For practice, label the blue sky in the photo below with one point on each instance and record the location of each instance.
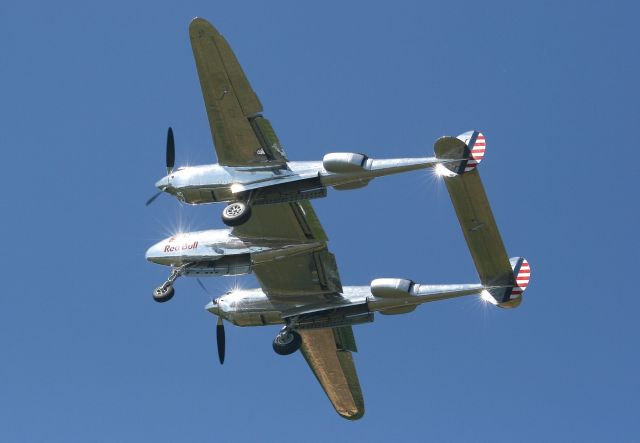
(87, 91)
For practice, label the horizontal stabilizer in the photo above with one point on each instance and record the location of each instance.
(480, 229)
(463, 152)
(505, 279)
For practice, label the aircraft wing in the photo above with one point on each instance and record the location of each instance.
(303, 274)
(242, 137)
(328, 353)
(308, 278)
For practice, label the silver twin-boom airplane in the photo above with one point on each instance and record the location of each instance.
(275, 234)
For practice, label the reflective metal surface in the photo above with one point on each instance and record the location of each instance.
(217, 183)
(335, 370)
(283, 242)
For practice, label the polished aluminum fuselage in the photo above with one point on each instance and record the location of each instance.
(219, 252)
(198, 247)
(252, 307)
(218, 183)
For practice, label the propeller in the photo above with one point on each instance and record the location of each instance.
(202, 286)
(220, 337)
(171, 161)
(171, 151)
(153, 198)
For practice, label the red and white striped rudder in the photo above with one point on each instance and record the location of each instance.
(477, 144)
(511, 297)
(522, 273)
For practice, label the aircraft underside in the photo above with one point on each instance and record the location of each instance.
(276, 235)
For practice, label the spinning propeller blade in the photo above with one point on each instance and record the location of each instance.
(203, 286)
(152, 199)
(171, 151)
(220, 339)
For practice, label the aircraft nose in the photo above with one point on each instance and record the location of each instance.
(149, 254)
(153, 253)
(163, 183)
(213, 307)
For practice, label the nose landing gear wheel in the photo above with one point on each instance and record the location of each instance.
(236, 213)
(287, 342)
(163, 293)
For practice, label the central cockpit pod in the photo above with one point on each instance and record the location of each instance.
(176, 249)
(211, 252)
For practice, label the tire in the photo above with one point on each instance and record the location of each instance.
(287, 342)
(163, 294)
(236, 213)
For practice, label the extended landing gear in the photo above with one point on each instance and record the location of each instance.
(236, 213)
(287, 342)
(165, 292)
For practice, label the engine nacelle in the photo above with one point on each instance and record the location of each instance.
(391, 287)
(246, 307)
(344, 162)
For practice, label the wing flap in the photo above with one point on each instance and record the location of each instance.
(327, 353)
(293, 221)
(308, 275)
(313, 273)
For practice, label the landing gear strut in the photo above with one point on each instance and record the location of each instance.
(287, 341)
(165, 292)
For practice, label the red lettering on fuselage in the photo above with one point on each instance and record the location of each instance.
(183, 247)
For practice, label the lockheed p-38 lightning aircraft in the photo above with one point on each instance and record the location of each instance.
(283, 242)
(252, 167)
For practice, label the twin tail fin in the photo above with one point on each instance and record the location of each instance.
(462, 153)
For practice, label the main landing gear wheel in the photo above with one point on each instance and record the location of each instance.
(163, 293)
(236, 213)
(287, 342)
